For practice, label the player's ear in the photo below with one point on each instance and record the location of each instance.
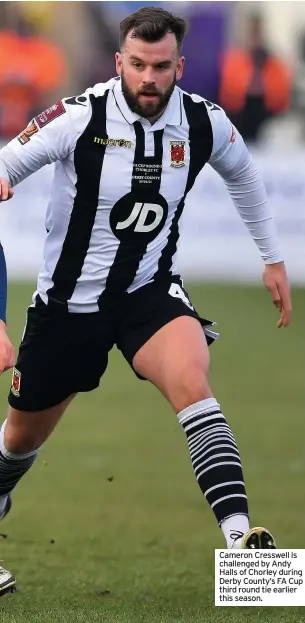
(179, 69)
(118, 63)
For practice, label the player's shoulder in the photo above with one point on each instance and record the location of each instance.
(101, 88)
(69, 116)
(201, 105)
(212, 114)
(81, 105)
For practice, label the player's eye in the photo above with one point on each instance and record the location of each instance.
(137, 65)
(161, 66)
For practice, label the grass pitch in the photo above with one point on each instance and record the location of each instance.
(110, 524)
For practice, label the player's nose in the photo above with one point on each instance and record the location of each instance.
(148, 76)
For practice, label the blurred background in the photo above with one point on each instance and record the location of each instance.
(249, 57)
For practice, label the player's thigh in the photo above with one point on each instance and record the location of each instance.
(60, 355)
(166, 341)
(28, 430)
(176, 359)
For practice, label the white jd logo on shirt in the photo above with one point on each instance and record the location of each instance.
(137, 221)
(140, 212)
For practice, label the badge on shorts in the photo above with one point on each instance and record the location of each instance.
(177, 153)
(16, 382)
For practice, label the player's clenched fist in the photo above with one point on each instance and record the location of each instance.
(7, 353)
(5, 191)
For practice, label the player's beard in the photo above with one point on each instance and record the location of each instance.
(149, 109)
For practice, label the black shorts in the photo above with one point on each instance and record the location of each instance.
(63, 353)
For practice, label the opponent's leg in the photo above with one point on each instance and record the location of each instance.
(21, 436)
(176, 360)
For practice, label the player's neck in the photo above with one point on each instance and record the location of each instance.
(153, 120)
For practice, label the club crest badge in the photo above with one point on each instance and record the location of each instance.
(16, 382)
(177, 154)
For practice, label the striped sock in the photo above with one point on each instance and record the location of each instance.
(215, 458)
(12, 466)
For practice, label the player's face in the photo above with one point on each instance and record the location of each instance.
(149, 72)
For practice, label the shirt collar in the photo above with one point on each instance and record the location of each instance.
(171, 116)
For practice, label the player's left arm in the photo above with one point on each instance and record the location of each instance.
(232, 160)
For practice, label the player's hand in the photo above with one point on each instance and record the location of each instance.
(6, 192)
(275, 280)
(7, 353)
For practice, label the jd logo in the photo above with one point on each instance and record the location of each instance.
(138, 221)
(141, 210)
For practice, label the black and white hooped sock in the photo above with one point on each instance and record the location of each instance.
(217, 464)
(12, 468)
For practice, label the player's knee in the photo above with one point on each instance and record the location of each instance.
(192, 387)
(20, 442)
(18, 436)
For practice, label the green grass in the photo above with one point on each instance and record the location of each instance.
(140, 546)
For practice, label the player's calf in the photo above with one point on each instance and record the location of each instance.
(192, 387)
(12, 467)
(217, 465)
(21, 437)
(24, 431)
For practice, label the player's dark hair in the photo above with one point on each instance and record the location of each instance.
(151, 24)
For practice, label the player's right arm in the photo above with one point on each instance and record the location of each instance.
(50, 136)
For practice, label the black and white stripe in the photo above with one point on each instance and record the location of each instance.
(200, 145)
(215, 458)
(88, 162)
(131, 250)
